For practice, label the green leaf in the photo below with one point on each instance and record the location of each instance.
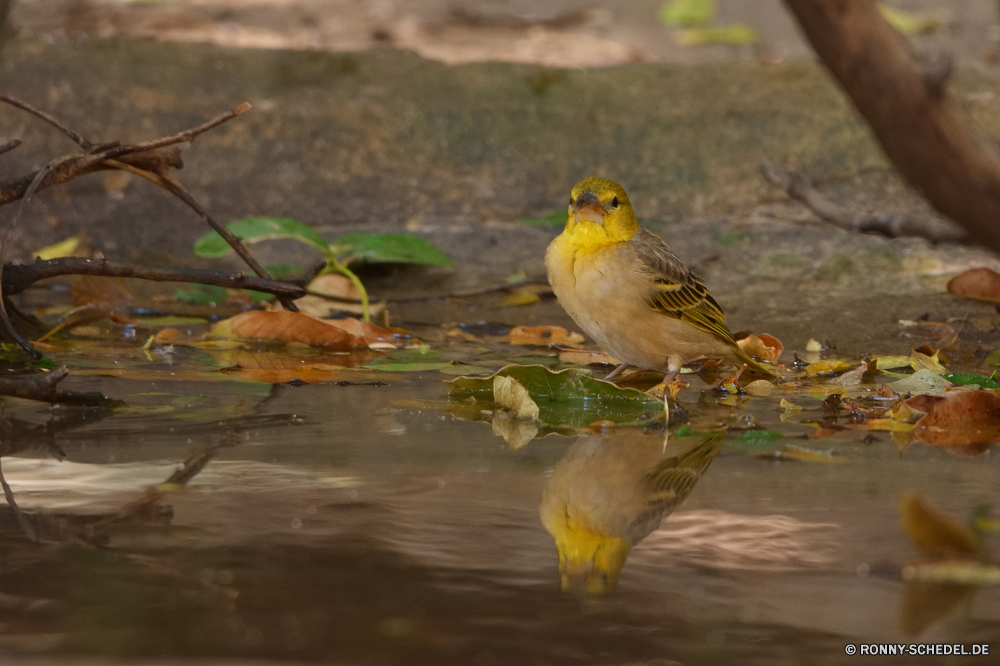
(566, 397)
(755, 440)
(723, 34)
(966, 379)
(687, 12)
(556, 218)
(376, 248)
(255, 229)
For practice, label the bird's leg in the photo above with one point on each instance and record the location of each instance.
(674, 364)
(617, 371)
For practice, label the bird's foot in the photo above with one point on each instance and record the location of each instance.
(617, 371)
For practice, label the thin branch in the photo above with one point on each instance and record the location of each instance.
(42, 387)
(24, 106)
(887, 224)
(16, 510)
(9, 146)
(19, 277)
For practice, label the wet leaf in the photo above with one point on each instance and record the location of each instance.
(759, 387)
(461, 369)
(814, 346)
(888, 425)
(511, 397)
(932, 531)
(892, 362)
(543, 336)
(922, 381)
(919, 361)
(407, 367)
(556, 218)
(907, 22)
(960, 418)
(586, 357)
(854, 377)
(520, 298)
(764, 347)
(965, 379)
(736, 33)
(789, 408)
(64, 248)
(255, 229)
(376, 248)
(687, 12)
(566, 397)
(287, 326)
(154, 322)
(827, 368)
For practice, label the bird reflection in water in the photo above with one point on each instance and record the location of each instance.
(607, 494)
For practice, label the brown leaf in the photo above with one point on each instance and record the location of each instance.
(764, 347)
(585, 357)
(960, 418)
(335, 286)
(932, 531)
(981, 284)
(286, 327)
(543, 336)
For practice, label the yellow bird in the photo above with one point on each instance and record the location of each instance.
(607, 494)
(628, 290)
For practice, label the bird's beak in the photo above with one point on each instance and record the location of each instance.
(588, 207)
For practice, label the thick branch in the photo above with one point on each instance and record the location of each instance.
(903, 99)
(18, 277)
(42, 387)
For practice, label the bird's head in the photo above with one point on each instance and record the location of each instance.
(589, 562)
(600, 210)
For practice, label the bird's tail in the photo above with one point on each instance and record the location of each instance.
(753, 365)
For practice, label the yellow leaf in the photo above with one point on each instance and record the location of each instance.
(519, 297)
(759, 387)
(932, 531)
(511, 396)
(889, 425)
(907, 23)
(814, 345)
(827, 367)
(892, 362)
(962, 572)
(919, 361)
(64, 248)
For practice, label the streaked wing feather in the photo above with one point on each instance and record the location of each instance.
(678, 292)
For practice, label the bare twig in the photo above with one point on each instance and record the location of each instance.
(903, 98)
(16, 510)
(18, 277)
(888, 224)
(42, 387)
(24, 106)
(9, 146)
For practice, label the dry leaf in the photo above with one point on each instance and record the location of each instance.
(510, 396)
(960, 418)
(166, 336)
(335, 285)
(853, 378)
(584, 357)
(981, 284)
(543, 335)
(920, 361)
(814, 345)
(932, 531)
(100, 290)
(759, 387)
(827, 367)
(764, 347)
(286, 327)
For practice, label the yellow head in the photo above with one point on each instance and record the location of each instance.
(588, 562)
(600, 213)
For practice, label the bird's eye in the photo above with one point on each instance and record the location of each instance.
(614, 201)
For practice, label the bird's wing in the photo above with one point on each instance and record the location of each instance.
(674, 478)
(678, 292)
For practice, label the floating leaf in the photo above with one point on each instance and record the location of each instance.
(462, 369)
(376, 248)
(814, 346)
(932, 531)
(556, 218)
(908, 23)
(801, 454)
(759, 387)
(736, 33)
(565, 397)
(827, 368)
(543, 335)
(255, 229)
(961, 417)
(687, 12)
(407, 367)
(287, 326)
(922, 381)
(965, 379)
(919, 361)
(511, 397)
(892, 362)
(171, 320)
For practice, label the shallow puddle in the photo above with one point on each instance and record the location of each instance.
(357, 519)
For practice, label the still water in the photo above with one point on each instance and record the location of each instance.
(248, 522)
